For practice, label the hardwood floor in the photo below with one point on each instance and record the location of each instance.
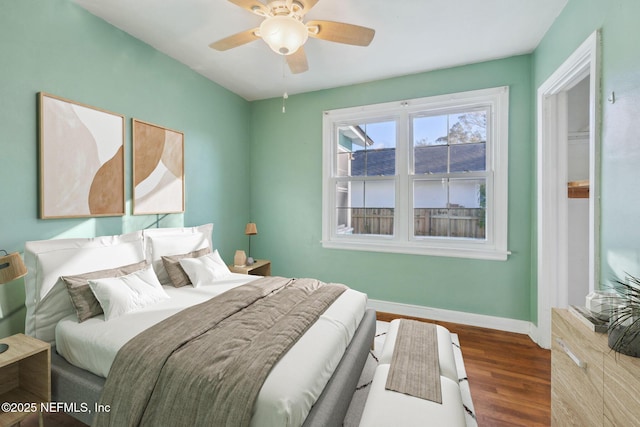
(509, 376)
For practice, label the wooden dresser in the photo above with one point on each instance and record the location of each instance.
(586, 378)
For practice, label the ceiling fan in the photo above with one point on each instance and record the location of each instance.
(285, 32)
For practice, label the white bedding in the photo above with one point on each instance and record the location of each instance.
(293, 385)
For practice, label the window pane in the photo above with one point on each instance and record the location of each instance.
(450, 208)
(450, 143)
(467, 128)
(430, 152)
(468, 157)
(431, 130)
(344, 162)
(364, 207)
(367, 149)
(430, 194)
(467, 208)
(430, 212)
(467, 193)
(431, 159)
(342, 202)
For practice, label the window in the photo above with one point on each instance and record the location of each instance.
(424, 176)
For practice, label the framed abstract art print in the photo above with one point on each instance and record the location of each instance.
(81, 160)
(158, 169)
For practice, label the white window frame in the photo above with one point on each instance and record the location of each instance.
(494, 246)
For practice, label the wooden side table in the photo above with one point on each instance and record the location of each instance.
(261, 267)
(25, 378)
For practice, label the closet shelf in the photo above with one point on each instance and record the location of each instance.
(578, 189)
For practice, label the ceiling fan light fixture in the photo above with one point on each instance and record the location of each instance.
(283, 34)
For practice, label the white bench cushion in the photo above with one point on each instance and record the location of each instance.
(386, 408)
(445, 350)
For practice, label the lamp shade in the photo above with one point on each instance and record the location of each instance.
(11, 267)
(251, 229)
(283, 34)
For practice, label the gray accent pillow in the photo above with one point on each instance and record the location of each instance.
(176, 273)
(83, 300)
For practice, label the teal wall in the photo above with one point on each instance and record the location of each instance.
(620, 174)
(56, 47)
(286, 189)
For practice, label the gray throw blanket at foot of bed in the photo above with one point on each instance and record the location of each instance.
(415, 367)
(205, 365)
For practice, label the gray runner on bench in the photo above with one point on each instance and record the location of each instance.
(415, 367)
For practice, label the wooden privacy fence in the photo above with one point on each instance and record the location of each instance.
(453, 222)
(372, 221)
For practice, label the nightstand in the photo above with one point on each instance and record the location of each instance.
(25, 377)
(261, 267)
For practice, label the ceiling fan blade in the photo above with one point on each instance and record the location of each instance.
(253, 6)
(297, 61)
(340, 32)
(307, 5)
(235, 40)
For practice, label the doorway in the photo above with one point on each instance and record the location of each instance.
(578, 195)
(567, 158)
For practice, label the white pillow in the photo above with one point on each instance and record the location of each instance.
(47, 299)
(124, 294)
(205, 269)
(153, 254)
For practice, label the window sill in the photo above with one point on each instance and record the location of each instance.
(483, 253)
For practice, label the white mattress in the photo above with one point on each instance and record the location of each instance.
(293, 385)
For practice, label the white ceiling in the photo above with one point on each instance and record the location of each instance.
(412, 36)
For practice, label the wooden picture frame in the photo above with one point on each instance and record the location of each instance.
(158, 169)
(81, 155)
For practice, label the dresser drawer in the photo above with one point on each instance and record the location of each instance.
(576, 373)
(621, 388)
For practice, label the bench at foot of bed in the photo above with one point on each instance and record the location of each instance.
(385, 407)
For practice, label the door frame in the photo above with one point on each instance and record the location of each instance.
(552, 172)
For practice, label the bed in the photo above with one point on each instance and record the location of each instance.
(310, 385)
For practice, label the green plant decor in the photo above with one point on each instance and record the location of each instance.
(624, 322)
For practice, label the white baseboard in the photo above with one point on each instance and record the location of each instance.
(472, 319)
(538, 338)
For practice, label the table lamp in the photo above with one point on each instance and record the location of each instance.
(250, 230)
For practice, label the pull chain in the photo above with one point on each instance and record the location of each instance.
(284, 83)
